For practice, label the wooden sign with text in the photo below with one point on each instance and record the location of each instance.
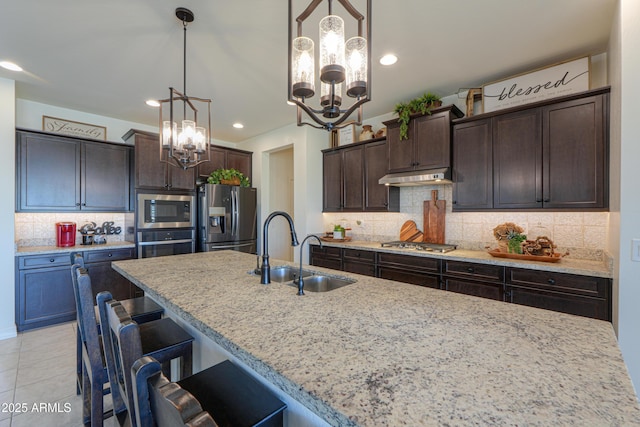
(545, 83)
(68, 127)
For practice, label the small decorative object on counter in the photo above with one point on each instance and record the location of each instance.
(366, 133)
(100, 239)
(382, 132)
(338, 232)
(509, 237)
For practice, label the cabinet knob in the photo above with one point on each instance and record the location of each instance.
(538, 200)
(84, 204)
(455, 202)
(77, 204)
(547, 200)
(551, 282)
(52, 260)
(470, 270)
(110, 255)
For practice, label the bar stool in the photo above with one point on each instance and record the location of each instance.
(142, 309)
(227, 393)
(95, 373)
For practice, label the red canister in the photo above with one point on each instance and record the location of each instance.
(65, 234)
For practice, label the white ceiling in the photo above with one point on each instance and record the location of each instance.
(107, 58)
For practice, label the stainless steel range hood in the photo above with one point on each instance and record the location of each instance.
(415, 178)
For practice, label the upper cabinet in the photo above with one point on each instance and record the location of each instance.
(551, 155)
(428, 143)
(227, 158)
(350, 179)
(58, 173)
(150, 173)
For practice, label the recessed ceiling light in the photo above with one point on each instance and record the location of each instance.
(10, 66)
(389, 59)
(152, 103)
(238, 125)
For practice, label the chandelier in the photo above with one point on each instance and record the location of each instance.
(341, 65)
(184, 144)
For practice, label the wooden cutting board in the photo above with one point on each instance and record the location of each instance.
(434, 212)
(409, 232)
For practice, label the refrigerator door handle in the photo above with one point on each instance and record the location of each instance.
(235, 215)
(240, 245)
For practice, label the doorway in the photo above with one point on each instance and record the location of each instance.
(281, 199)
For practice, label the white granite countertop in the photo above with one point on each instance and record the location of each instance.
(565, 265)
(37, 250)
(383, 353)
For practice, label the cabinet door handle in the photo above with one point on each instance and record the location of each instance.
(538, 200)
(77, 204)
(547, 200)
(551, 282)
(455, 202)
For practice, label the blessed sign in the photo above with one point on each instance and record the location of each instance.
(550, 82)
(68, 127)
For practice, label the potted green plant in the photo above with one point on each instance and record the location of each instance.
(229, 177)
(420, 105)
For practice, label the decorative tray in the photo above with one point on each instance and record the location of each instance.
(499, 254)
(331, 239)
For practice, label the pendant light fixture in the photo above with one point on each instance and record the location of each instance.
(341, 65)
(184, 136)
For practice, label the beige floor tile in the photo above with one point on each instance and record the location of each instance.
(45, 370)
(9, 361)
(8, 380)
(47, 338)
(47, 390)
(48, 354)
(5, 422)
(64, 412)
(5, 398)
(10, 345)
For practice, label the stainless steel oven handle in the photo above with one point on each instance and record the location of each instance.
(165, 242)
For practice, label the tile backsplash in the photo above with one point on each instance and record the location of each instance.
(39, 229)
(582, 234)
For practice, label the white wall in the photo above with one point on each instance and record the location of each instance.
(625, 113)
(7, 208)
(307, 175)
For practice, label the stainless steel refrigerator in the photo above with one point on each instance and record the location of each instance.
(227, 218)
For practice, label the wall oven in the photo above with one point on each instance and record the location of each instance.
(165, 224)
(166, 211)
(153, 243)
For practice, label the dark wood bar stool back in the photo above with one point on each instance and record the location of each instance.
(94, 373)
(226, 392)
(162, 339)
(141, 309)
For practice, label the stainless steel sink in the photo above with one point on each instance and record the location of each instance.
(320, 283)
(286, 274)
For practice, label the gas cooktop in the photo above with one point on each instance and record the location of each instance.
(419, 246)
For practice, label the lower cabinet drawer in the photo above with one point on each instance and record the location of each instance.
(415, 278)
(107, 255)
(40, 261)
(366, 269)
(358, 255)
(560, 282)
(326, 251)
(476, 271)
(478, 289)
(596, 308)
(411, 263)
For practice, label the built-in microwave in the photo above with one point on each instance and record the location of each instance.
(166, 211)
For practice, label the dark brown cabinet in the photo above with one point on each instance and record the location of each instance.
(44, 292)
(227, 158)
(359, 262)
(472, 166)
(350, 179)
(568, 293)
(552, 155)
(481, 280)
(150, 172)
(419, 271)
(428, 143)
(325, 256)
(57, 173)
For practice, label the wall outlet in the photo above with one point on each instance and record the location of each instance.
(635, 250)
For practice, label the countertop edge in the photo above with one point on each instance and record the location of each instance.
(40, 250)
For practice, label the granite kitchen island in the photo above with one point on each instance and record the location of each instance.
(383, 353)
